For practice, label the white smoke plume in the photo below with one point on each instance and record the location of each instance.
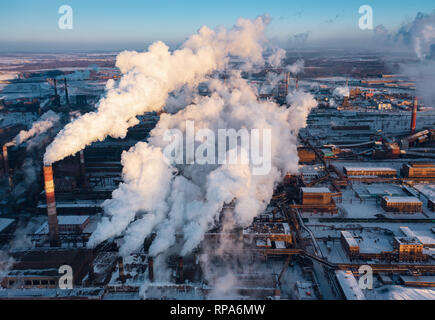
(190, 202)
(149, 77)
(44, 123)
(296, 67)
(341, 91)
(419, 34)
(6, 262)
(276, 58)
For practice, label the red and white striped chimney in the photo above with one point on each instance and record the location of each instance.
(414, 115)
(5, 159)
(51, 207)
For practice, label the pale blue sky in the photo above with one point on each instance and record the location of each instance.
(26, 24)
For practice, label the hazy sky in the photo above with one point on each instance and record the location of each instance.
(107, 25)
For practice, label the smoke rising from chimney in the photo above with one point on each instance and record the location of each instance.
(149, 77)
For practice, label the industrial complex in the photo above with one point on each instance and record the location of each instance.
(360, 196)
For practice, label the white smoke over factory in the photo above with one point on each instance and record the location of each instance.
(44, 123)
(179, 203)
(342, 91)
(149, 77)
(419, 36)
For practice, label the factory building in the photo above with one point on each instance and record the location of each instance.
(370, 171)
(316, 195)
(409, 249)
(306, 155)
(349, 285)
(316, 200)
(418, 170)
(39, 268)
(349, 244)
(401, 204)
(72, 224)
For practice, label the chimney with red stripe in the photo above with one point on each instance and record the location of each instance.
(51, 207)
(414, 115)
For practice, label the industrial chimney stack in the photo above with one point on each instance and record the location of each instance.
(55, 87)
(414, 115)
(66, 92)
(82, 169)
(150, 268)
(287, 80)
(5, 159)
(180, 270)
(51, 207)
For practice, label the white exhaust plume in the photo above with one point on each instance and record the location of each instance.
(341, 91)
(190, 202)
(44, 123)
(149, 77)
(276, 58)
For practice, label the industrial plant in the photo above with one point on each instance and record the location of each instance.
(92, 206)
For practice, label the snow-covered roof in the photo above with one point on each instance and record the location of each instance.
(369, 169)
(401, 199)
(79, 220)
(4, 223)
(315, 190)
(349, 285)
(349, 238)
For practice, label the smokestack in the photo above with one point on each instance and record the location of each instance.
(82, 168)
(287, 79)
(297, 83)
(414, 115)
(55, 87)
(121, 269)
(150, 268)
(66, 92)
(51, 207)
(180, 270)
(5, 159)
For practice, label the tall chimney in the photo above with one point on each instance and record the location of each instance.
(55, 87)
(180, 270)
(51, 207)
(150, 268)
(66, 92)
(414, 115)
(82, 168)
(287, 79)
(121, 269)
(297, 83)
(5, 159)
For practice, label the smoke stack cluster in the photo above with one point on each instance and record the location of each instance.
(51, 207)
(414, 115)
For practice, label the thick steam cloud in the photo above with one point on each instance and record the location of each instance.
(149, 77)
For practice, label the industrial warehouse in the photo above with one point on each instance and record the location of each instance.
(93, 206)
